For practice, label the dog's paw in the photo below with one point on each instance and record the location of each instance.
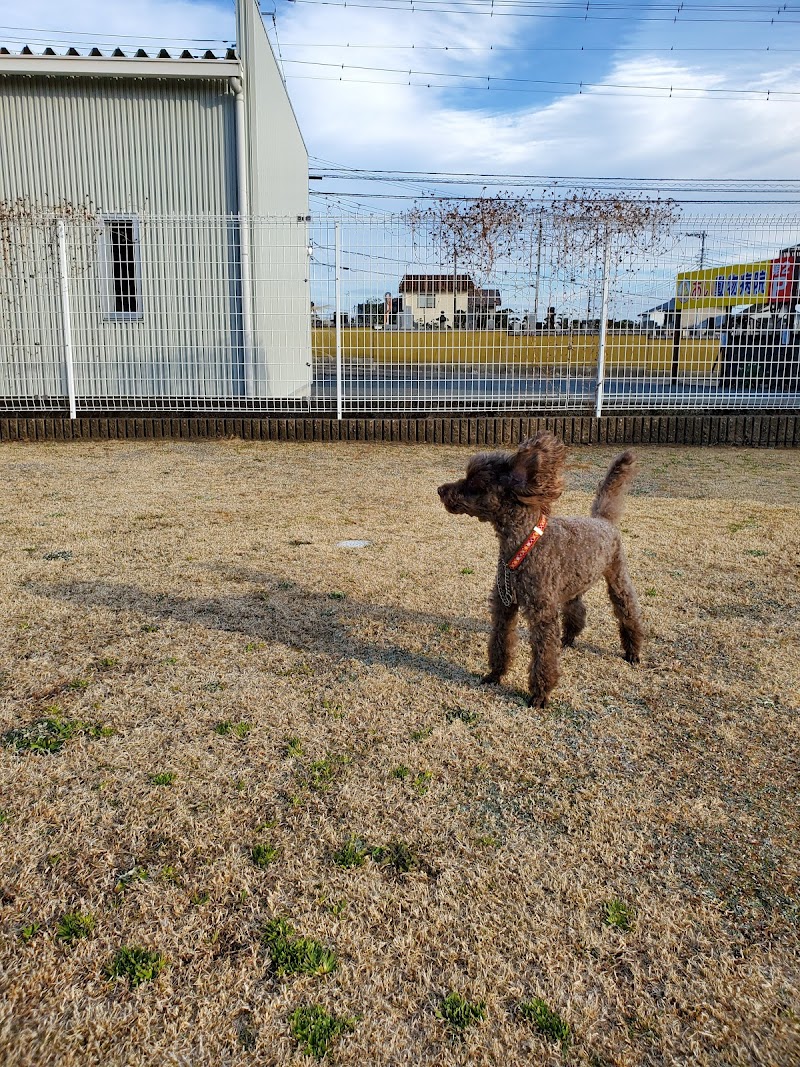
(490, 679)
(537, 702)
(632, 658)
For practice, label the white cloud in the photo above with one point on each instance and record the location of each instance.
(411, 127)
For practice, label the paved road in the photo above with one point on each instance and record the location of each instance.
(400, 387)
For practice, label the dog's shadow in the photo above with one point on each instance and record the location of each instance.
(282, 612)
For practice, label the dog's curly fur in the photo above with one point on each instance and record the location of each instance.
(512, 491)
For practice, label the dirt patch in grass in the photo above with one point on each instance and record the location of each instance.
(628, 858)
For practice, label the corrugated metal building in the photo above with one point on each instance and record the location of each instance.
(153, 228)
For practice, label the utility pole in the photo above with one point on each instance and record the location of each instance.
(538, 270)
(702, 234)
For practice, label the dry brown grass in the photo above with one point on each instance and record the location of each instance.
(191, 598)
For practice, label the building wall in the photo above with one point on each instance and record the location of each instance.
(163, 146)
(278, 182)
(165, 151)
(444, 303)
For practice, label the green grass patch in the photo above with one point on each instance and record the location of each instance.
(164, 778)
(137, 964)
(50, 734)
(459, 1014)
(227, 728)
(617, 913)
(545, 1021)
(262, 854)
(353, 853)
(422, 782)
(73, 926)
(293, 747)
(422, 733)
(321, 774)
(291, 954)
(30, 930)
(315, 1029)
(401, 772)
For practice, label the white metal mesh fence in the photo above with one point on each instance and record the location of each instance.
(553, 309)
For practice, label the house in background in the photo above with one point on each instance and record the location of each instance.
(437, 299)
(123, 178)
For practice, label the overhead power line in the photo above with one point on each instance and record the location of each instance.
(586, 12)
(785, 201)
(91, 37)
(496, 49)
(343, 173)
(484, 82)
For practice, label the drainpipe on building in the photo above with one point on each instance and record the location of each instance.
(244, 235)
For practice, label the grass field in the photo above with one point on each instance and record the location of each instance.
(457, 347)
(254, 804)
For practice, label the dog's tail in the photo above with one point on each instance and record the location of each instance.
(609, 499)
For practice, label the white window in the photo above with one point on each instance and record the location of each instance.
(120, 268)
(427, 300)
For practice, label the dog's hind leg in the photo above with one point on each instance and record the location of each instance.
(573, 620)
(626, 608)
(545, 649)
(502, 639)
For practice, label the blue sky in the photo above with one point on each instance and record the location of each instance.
(365, 121)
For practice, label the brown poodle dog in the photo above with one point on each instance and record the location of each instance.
(546, 565)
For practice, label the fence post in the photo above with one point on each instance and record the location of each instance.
(66, 317)
(338, 287)
(676, 346)
(601, 351)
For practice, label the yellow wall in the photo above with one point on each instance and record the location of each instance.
(484, 346)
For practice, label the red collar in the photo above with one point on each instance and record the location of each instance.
(528, 543)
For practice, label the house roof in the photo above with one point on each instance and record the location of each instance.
(118, 62)
(668, 305)
(436, 283)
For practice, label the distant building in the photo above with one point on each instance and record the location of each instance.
(437, 298)
(660, 317)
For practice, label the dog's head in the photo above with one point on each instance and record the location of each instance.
(497, 484)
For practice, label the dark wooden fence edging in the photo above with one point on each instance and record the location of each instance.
(755, 431)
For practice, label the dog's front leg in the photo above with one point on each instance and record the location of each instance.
(503, 637)
(545, 651)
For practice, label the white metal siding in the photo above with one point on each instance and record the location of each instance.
(278, 181)
(119, 144)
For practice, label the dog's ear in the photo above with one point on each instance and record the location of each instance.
(537, 470)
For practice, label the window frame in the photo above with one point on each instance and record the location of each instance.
(109, 297)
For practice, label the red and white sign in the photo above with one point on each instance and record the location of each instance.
(781, 281)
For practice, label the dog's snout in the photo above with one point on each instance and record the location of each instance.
(441, 491)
